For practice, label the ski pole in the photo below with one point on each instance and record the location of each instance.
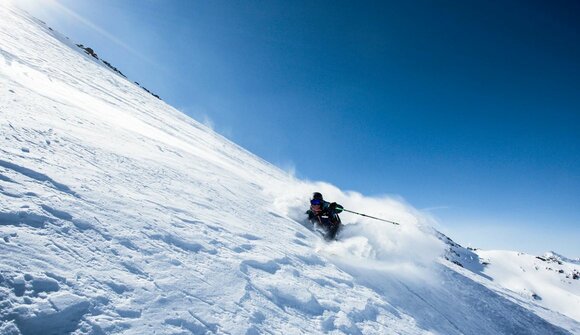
(372, 217)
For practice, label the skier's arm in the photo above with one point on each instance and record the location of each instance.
(311, 214)
(335, 208)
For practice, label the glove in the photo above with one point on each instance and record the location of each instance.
(338, 209)
(332, 207)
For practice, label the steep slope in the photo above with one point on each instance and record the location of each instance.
(119, 214)
(547, 280)
(543, 284)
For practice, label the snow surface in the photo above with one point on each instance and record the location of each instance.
(541, 278)
(120, 214)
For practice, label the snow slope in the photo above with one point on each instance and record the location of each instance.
(119, 214)
(553, 282)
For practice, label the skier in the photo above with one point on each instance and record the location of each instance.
(325, 215)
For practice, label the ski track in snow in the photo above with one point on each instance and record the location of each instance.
(119, 214)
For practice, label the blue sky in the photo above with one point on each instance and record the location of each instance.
(470, 110)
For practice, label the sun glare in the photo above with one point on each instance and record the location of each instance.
(38, 8)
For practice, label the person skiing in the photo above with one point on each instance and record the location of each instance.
(325, 214)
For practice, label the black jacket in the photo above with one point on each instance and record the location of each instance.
(329, 211)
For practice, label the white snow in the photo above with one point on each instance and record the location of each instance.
(120, 214)
(548, 281)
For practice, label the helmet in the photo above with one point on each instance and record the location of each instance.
(316, 199)
(317, 196)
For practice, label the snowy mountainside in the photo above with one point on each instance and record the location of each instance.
(121, 215)
(551, 280)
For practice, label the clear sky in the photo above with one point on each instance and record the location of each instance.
(468, 109)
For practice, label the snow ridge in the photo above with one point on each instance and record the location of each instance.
(119, 214)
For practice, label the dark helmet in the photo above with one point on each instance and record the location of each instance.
(317, 196)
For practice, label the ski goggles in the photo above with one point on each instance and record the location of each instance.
(315, 202)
